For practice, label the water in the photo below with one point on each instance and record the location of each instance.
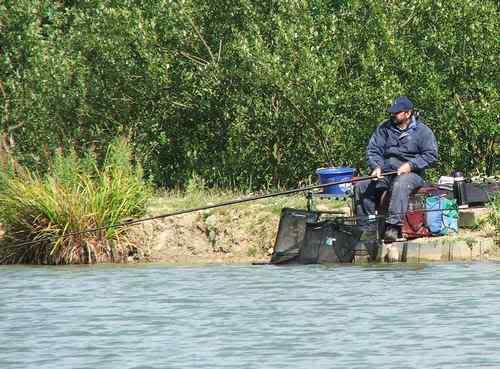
(151, 316)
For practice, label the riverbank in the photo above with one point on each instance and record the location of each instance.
(238, 234)
(242, 234)
(245, 233)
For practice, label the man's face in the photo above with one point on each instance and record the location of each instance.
(400, 117)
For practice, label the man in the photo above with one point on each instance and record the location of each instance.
(403, 144)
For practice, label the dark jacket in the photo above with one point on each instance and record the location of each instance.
(390, 147)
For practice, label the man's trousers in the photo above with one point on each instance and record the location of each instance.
(368, 193)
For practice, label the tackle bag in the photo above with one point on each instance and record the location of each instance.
(441, 215)
(475, 194)
(414, 223)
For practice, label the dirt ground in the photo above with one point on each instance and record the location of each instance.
(226, 236)
(240, 234)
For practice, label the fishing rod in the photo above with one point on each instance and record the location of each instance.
(207, 207)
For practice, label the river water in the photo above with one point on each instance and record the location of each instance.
(155, 316)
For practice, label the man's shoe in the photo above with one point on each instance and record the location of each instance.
(391, 233)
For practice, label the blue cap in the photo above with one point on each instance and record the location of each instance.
(401, 103)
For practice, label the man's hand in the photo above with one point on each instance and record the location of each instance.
(377, 172)
(404, 169)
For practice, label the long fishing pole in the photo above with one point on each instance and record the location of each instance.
(207, 207)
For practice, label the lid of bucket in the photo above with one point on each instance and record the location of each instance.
(335, 170)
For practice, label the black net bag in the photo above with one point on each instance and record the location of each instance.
(340, 240)
(319, 243)
(291, 233)
(313, 237)
(358, 238)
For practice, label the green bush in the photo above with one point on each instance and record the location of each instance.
(494, 216)
(248, 93)
(73, 196)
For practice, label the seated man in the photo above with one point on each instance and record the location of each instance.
(402, 144)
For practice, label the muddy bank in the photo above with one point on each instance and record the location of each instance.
(229, 236)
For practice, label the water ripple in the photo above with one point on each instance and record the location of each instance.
(153, 316)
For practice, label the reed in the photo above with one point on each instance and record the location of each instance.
(74, 195)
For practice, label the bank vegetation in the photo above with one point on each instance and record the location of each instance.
(51, 218)
(246, 93)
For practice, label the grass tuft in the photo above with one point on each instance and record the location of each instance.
(74, 195)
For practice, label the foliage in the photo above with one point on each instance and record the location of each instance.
(73, 196)
(247, 93)
(494, 216)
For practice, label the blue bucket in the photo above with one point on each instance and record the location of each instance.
(336, 174)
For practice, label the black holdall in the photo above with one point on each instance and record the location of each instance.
(473, 193)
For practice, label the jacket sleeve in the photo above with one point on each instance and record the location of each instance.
(376, 147)
(428, 151)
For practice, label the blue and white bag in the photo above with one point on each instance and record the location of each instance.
(441, 215)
